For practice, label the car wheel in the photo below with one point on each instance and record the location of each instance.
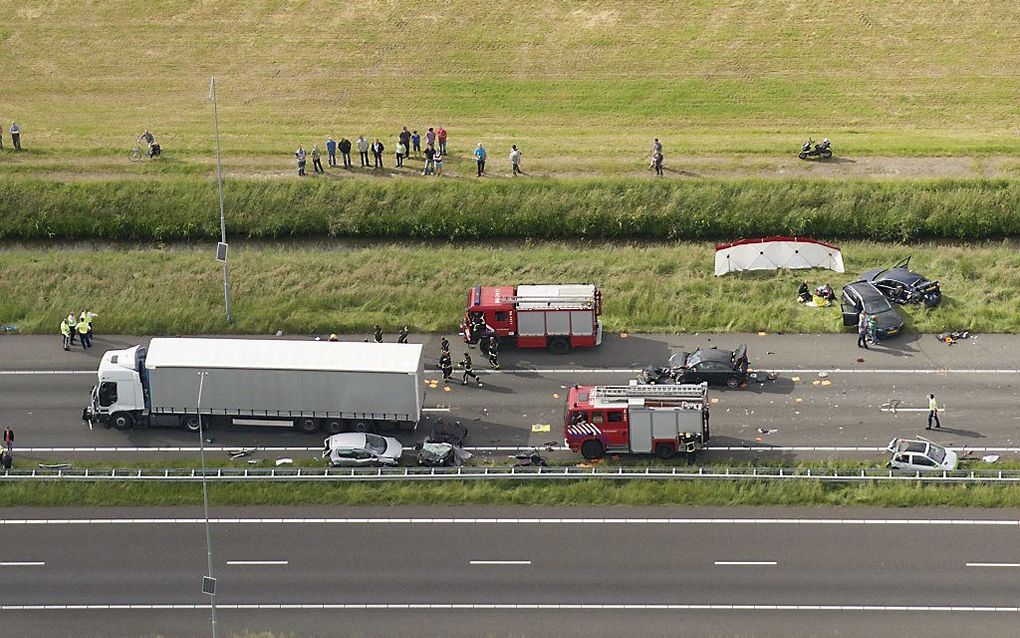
(665, 450)
(732, 382)
(592, 449)
(559, 346)
(122, 421)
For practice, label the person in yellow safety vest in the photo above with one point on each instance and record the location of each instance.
(72, 322)
(87, 316)
(83, 334)
(65, 332)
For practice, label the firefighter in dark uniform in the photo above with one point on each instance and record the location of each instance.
(494, 353)
(444, 346)
(402, 337)
(378, 334)
(477, 328)
(469, 370)
(446, 365)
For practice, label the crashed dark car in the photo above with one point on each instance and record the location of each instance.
(863, 297)
(901, 285)
(714, 366)
(444, 445)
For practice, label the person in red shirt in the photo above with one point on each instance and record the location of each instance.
(441, 136)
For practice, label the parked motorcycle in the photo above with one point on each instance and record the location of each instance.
(822, 150)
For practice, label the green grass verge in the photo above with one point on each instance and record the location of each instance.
(575, 493)
(567, 79)
(186, 209)
(346, 289)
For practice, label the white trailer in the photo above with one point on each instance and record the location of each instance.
(304, 384)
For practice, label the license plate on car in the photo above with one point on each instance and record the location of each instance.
(892, 331)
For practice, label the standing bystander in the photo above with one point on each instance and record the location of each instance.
(300, 155)
(430, 166)
(331, 151)
(405, 139)
(363, 150)
(16, 136)
(515, 160)
(480, 158)
(9, 440)
(317, 160)
(862, 331)
(441, 137)
(377, 151)
(345, 151)
(401, 152)
(430, 137)
(65, 334)
(416, 143)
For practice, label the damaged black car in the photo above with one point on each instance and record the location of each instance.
(901, 285)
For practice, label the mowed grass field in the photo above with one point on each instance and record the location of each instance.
(318, 289)
(581, 85)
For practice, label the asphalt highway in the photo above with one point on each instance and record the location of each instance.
(511, 571)
(853, 410)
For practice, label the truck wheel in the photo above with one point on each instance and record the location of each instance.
(592, 449)
(665, 450)
(191, 423)
(360, 426)
(732, 382)
(334, 427)
(122, 421)
(559, 346)
(309, 426)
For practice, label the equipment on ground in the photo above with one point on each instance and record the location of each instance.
(637, 419)
(776, 253)
(554, 316)
(306, 385)
(821, 151)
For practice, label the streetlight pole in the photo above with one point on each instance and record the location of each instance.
(209, 583)
(219, 181)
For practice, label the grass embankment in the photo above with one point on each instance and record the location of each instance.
(648, 288)
(713, 209)
(580, 85)
(574, 493)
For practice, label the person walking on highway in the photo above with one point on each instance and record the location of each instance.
(444, 345)
(71, 321)
(363, 150)
(345, 151)
(9, 440)
(317, 160)
(494, 353)
(480, 159)
(82, 327)
(873, 328)
(377, 334)
(933, 413)
(402, 336)
(469, 370)
(65, 333)
(446, 365)
(331, 151)
(515, 160)
(862, 331)
(300, 155)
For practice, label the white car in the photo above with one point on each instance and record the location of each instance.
(916, 455)
(357, 449)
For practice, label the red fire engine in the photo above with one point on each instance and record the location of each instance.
(558, 316)
(636, 419)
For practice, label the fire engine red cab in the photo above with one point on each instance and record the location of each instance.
(557, 316)
(636, 419)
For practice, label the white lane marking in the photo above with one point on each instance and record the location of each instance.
(500, 562)
(746, 562)
(515, 521)
(44, 372)
(257, 562)
(513, 606)
(435, 409)
(993, 564)
(24, 563)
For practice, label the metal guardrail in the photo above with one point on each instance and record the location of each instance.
(227, 475)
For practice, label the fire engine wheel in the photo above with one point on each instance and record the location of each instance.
(665, 450)
(732, 382)
(592, 449)
(191, 424)
(559, 346)
(334, 427)
(122, 421)
(309, 426)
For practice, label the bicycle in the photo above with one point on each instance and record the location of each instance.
(136, 154)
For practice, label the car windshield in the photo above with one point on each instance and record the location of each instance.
(937, 453)
(375, 443)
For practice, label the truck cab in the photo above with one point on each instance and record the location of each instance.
(491, 307)
(119, 394)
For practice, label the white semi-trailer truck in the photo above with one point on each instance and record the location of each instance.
(306, 385)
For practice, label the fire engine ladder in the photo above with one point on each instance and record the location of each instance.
(677, 391)
(585, 300)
